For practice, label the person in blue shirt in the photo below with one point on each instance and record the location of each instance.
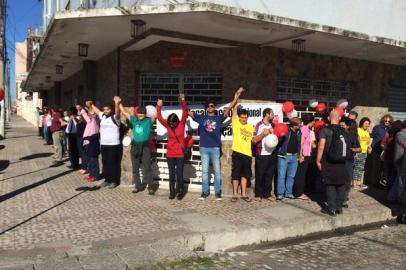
(210, 141)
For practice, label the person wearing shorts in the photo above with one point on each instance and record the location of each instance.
(243, 137)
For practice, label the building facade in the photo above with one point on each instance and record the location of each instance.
(145, 50)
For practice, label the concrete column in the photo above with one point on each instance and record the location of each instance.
(89, 73)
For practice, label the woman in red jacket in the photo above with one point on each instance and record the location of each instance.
(175, 147)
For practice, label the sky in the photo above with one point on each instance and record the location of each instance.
(20, 15)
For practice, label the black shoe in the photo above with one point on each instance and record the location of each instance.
(180, 196)
(203, 196)
(136, 190)
(171, 197)
(151, 192)
(339, 211)
(104, 184)
(345, 205)
(112, 185)
(218, 196)
(329, 212)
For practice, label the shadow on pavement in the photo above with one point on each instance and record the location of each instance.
(34, 156)
(11, 177)
(2, 147)
(34, 185)
(380, 196)
(4, 164)
(16, 137)
(85, 188)
(50, 208)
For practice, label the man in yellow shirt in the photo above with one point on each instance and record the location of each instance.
(243, 137)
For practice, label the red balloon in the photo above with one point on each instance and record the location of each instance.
(319, 124)
(321, 107)
(340, 110)
(280, 129)
(1, 94)
(288, 107)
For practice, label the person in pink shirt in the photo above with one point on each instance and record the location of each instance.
(307, 143)
(91, 141)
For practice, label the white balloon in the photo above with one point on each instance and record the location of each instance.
(151, 111)
(313, 103)
(270, 141)
(127, 140)
(292, 114)
(343, 103)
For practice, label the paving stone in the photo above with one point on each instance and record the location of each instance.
(70, 263)
(22, 267)
(102, 262)
(138, 256)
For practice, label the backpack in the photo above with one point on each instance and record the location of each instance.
(340, 149)
(122, 129)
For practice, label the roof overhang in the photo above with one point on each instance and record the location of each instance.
(201, 24)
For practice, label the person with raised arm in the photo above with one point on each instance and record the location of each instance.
(210, 143)
(91, 141)
(175, 147)
(243, 137)
(110, 144)
(141, 126)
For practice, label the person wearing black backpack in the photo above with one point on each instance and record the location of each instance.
(110, 144)
(332, 154)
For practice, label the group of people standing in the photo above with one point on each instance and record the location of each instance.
(339, 149)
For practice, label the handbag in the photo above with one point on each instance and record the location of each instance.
(187, 150)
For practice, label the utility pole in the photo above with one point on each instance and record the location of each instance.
(3, 112)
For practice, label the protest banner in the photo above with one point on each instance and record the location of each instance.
(254, 112)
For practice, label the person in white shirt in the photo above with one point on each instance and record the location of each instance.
(111, 149)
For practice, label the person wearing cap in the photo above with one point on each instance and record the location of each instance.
(141, 126)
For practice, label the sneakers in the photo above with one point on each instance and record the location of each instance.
(136, 190)
(90, 179)
(112, 185)
(279, 198)
(104, 184)
(151, 192)
(290, 196)
(218, 197)
(203, 197)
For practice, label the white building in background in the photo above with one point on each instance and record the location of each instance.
(26, 102)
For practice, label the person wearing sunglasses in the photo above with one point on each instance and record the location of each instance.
(375, 167)
(210, 142)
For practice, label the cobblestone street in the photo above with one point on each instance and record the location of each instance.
(51, 217)
(375, 249)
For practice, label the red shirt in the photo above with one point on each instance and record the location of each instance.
(56, 123)
(176, 137)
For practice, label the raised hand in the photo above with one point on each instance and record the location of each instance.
(159, 102)
(117, 99)
(182, 96)
(89, 103)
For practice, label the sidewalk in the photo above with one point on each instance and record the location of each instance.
(51, 219)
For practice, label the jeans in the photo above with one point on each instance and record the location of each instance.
(212, 154)
(82, 153)
(287, 167)
(175, 166)
(46, 134)
(336, 196)
(56, 137)
(94, 170)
